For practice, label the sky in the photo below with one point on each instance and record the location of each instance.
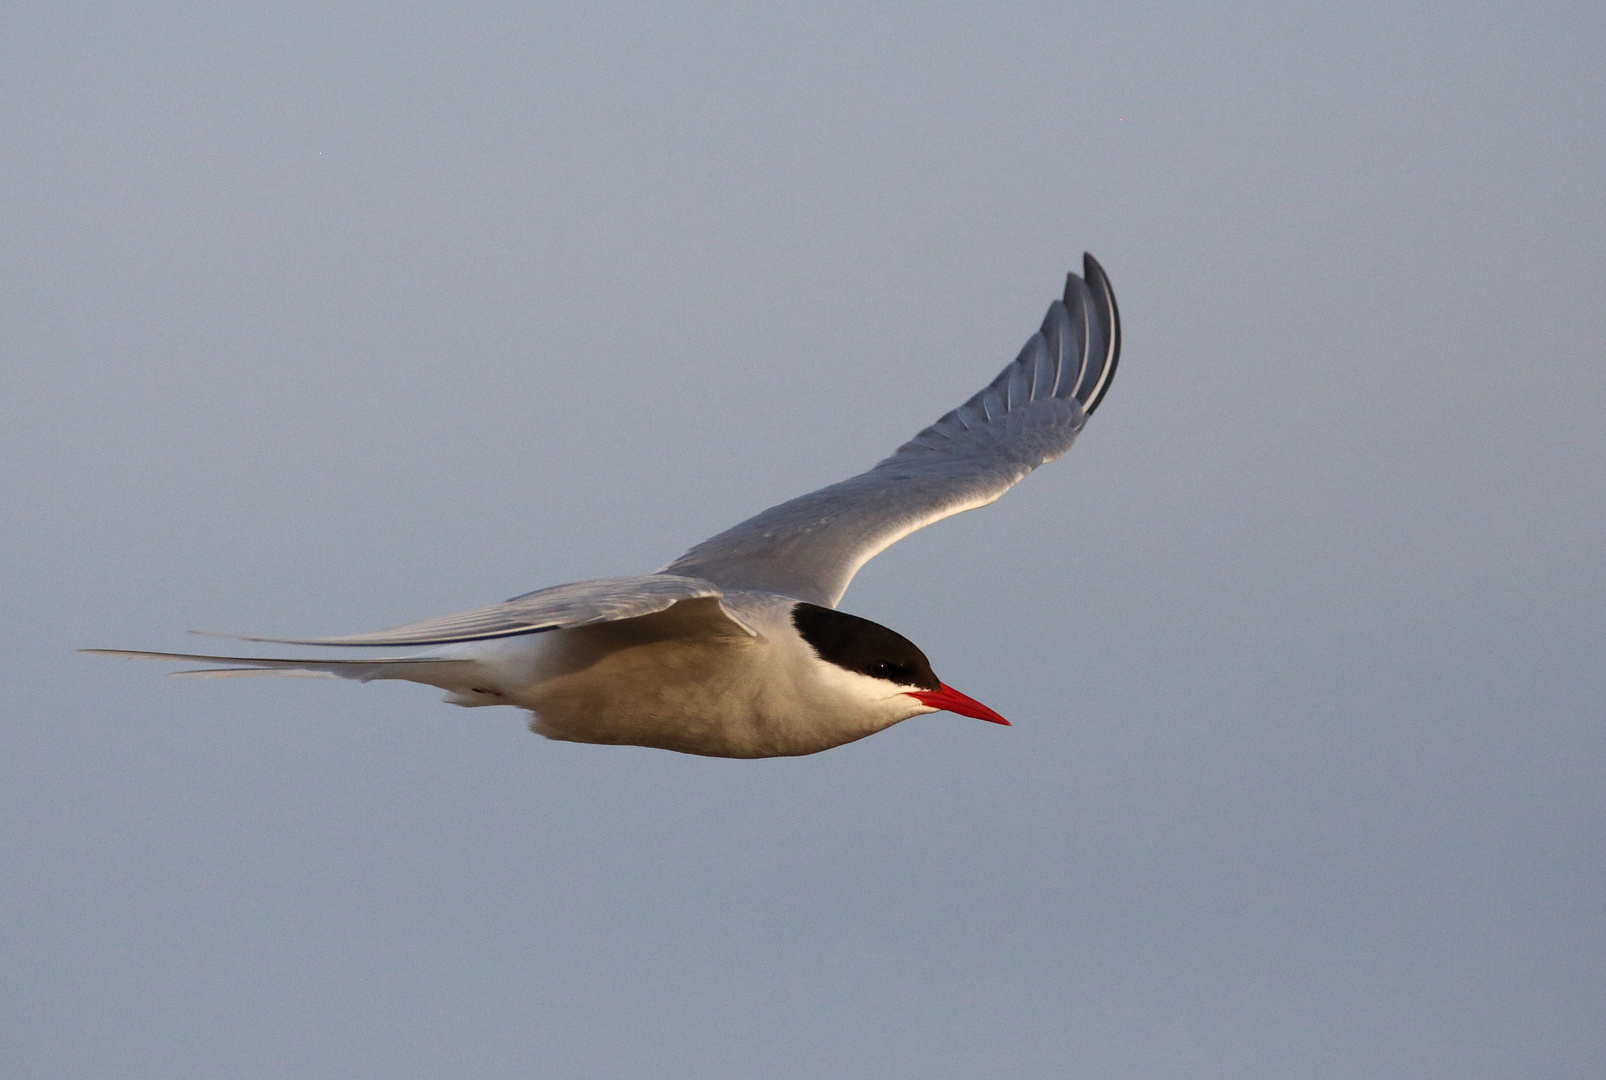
(321, 318)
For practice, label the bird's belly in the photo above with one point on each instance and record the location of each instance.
(695, 695)
(715, 717)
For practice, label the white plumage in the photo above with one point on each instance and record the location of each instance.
(735, 649)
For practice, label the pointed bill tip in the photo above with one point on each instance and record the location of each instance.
(948, 699)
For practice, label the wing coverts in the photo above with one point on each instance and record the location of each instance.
(561, 607)
(811, 546)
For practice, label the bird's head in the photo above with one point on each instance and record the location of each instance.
(887, 667)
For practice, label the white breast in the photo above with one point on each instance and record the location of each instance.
(680, 680)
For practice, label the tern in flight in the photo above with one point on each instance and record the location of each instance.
(736, 648)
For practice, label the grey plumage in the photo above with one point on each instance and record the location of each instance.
(425, 669)
(810, 547)
(705, 656)
(560, 607)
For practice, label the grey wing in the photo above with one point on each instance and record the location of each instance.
(561, 607)
(446, 673)
(811, 546)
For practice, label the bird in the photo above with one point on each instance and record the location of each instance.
(736, 649)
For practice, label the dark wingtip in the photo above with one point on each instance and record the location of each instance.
(1109, 317)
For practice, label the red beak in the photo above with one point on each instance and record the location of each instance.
(946, 697)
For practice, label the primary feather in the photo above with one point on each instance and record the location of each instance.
(561, 607)
(810, 547)
(448, 674)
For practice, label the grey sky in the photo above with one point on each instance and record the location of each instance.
(323, 317)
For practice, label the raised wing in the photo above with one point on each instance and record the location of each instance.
(811, 546)
(560, 607)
